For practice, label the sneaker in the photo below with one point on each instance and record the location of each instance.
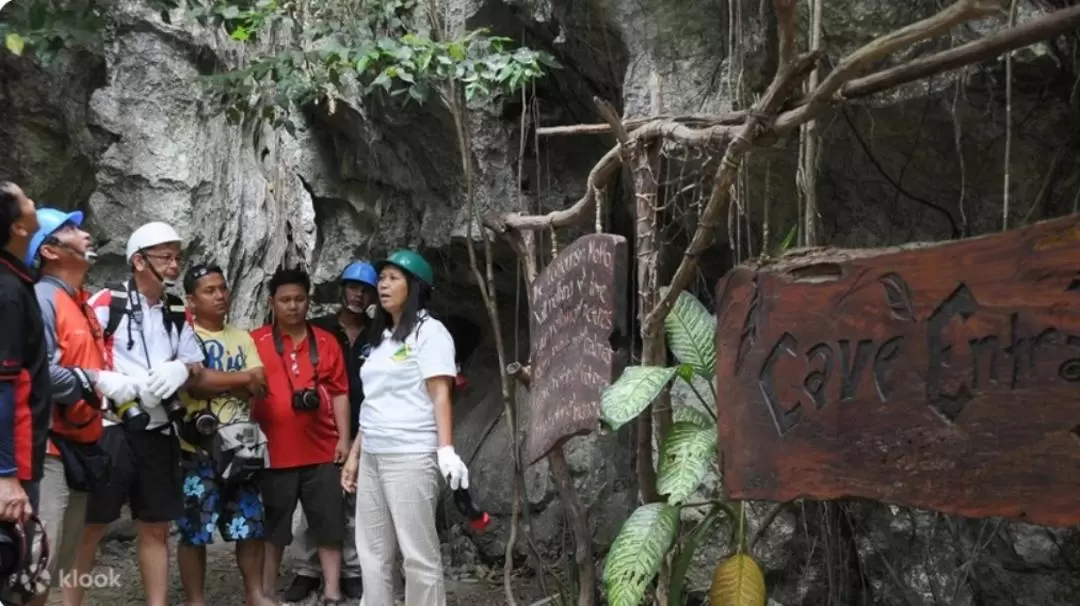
(352, 588)
(301, 587)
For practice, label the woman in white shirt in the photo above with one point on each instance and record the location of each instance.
(406, 440)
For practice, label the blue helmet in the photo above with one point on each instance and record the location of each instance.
(360, 271)
(50, 220)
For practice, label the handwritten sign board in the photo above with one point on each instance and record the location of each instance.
(945, 377)
(578, 303)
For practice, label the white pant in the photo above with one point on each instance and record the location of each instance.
(396, 497)
(63, 511)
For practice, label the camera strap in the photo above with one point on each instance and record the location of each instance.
(89, 395)
(27, 581)
(313, 355)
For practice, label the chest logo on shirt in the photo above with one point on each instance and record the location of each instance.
(402, 354)
(219, 358)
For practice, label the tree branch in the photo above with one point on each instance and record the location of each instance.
(828, 94)
(705, 130)
(788, 75)
(1044, 27)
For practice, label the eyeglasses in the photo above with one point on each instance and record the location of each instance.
(166, 259)
(295, 363)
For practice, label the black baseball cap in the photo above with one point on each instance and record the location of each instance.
(198, 272)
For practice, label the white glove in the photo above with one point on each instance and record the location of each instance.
(453, 468)
(117, 387)
(167, 378)
(147, 399)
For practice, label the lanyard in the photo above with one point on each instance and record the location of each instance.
(135, 314)
(313, 355)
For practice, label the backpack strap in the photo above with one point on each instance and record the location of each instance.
(117, 307)
(174, 314)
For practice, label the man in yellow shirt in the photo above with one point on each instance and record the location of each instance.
(213, 497)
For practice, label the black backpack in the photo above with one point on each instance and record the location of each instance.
(173, 314)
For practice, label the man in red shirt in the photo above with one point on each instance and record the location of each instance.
(305, 416)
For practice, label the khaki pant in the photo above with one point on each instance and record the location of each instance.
(63, 512)
(396, 496)
(305, 557)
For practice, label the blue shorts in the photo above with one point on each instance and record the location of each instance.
(234, 510)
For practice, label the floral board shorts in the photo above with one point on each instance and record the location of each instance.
(234, 510)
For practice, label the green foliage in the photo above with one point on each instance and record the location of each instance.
(301, 53)
(633, 392)
(47, 26)
(691, 331)
(638, 551)
(685, 456)
(686, 453)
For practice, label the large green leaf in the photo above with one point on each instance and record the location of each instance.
(688, 413)
(635, 556)
(684, 459)
(638, 386)
(691, 335)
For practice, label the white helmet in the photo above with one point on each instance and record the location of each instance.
(149, 236)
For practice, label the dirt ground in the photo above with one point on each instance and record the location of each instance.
(224, 587)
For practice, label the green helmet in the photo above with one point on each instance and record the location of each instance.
(412, 262)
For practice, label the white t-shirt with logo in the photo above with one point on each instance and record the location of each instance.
(398, 415)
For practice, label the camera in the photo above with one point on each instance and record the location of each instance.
(306, 399)
(132, 415)
(205, 422)
(174, 408)
(200, 428)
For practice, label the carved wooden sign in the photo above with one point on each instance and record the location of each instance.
(578, 303)
(945, 377)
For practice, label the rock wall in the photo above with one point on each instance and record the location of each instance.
(126, 134)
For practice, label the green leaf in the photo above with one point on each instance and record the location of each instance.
(636, 554)
(362, 63)
(457, 51)
(382, 80)
(418, 94)
(690, 414)
(691, 335)
(632, 393)
(789, 239)
(684, 459)
(14, 43)
(688, 547)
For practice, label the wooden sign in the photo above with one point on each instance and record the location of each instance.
(945, 376)
(578, 304)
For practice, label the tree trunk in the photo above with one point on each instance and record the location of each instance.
(579, 523)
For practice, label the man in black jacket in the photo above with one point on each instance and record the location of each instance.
(25, 404)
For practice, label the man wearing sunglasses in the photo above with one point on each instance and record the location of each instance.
(62, 254)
